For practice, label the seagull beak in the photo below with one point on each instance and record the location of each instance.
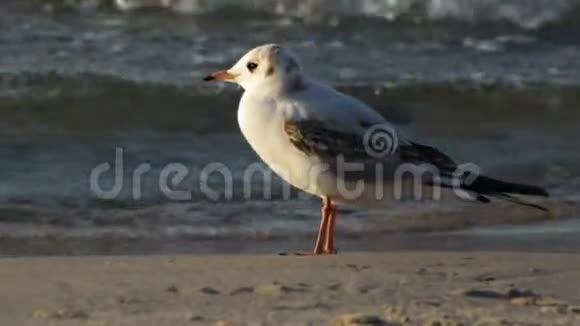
(220, 75)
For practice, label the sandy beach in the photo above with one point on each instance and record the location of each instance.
(398, 288)
(98, 105)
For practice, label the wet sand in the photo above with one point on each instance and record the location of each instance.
(397, 288)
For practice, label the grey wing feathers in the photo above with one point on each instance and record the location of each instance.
(421, 154)
(315, 138)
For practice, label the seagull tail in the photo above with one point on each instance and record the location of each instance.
(484, 186)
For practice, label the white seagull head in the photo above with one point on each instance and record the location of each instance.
(266, 68)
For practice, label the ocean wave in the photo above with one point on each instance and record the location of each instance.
(248, 221)
(90, 102)
(530, 14)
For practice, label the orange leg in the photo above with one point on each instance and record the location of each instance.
(329, 243)
(325, 239)
(323, 229)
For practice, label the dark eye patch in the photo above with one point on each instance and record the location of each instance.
(252, 66)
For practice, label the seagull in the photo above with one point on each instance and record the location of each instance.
(334, 146)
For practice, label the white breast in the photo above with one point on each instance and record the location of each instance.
(262, 124)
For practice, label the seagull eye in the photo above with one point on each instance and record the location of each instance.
(252, 66)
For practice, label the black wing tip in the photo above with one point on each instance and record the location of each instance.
(531, 191)
(483, 199)
(543, 192)
(489, 186)
(208, 78)
(519, 201)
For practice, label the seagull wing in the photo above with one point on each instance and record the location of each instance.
(314, 137)
(328, 124)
